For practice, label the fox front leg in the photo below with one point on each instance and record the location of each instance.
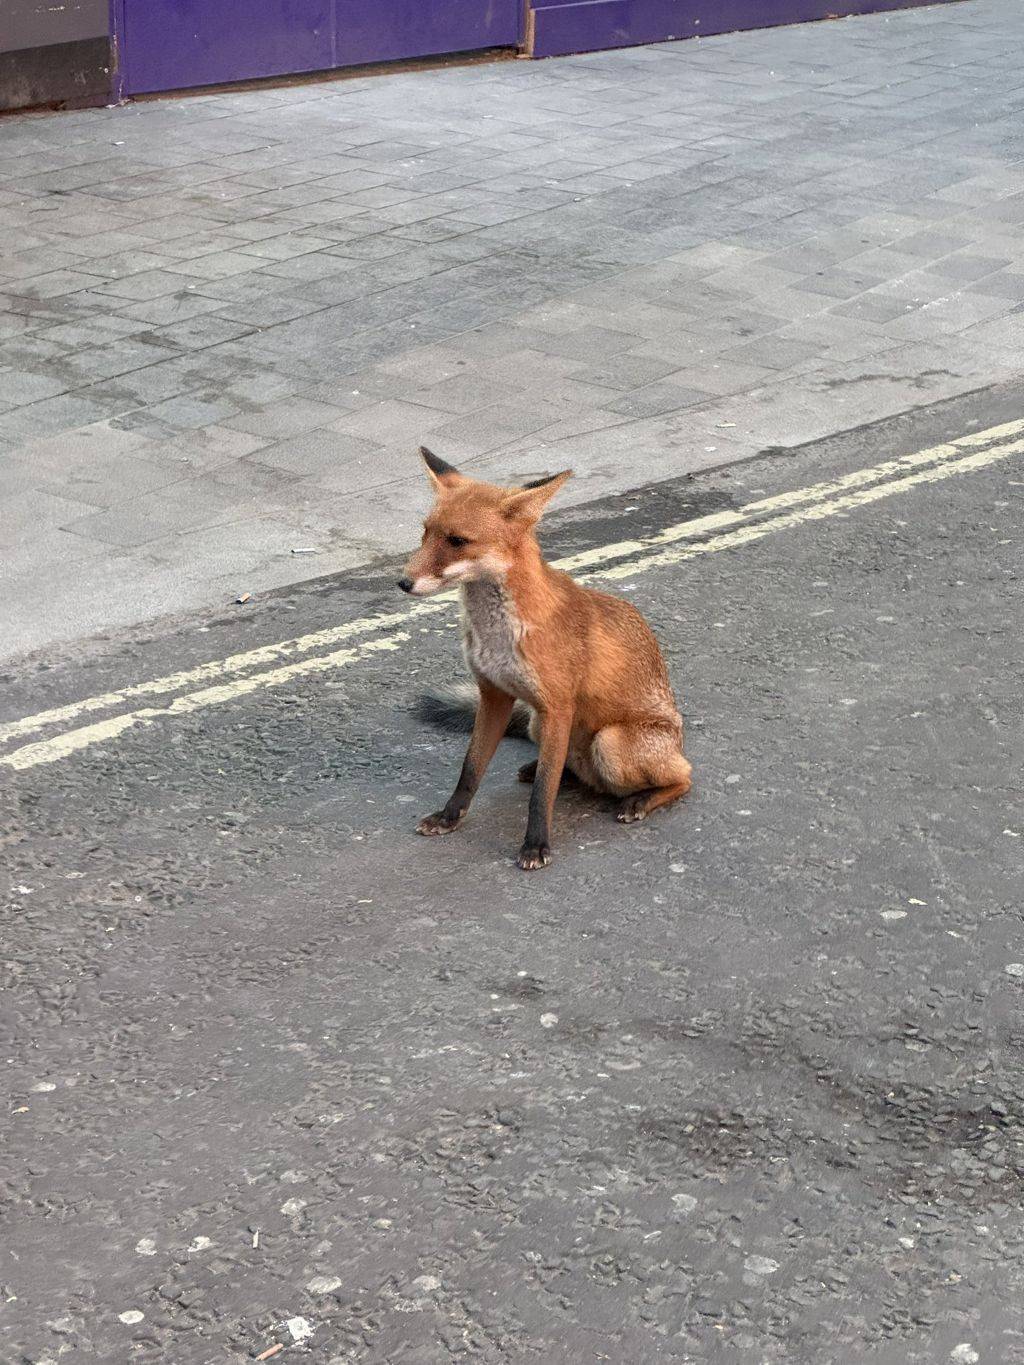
(492, 717)
(555, 728)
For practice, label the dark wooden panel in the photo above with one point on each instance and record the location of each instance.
(38, 23)
(70, 74)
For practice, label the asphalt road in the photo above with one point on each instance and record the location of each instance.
(741, 1082)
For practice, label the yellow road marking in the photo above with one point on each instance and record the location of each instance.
(815, 512)
(283, 650)
(715, 521)
(942, 462)
(62, 746)
(216, 668)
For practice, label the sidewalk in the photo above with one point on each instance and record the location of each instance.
(228, 321)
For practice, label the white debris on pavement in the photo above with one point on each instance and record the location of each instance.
(964, 1354)
(323, 1284)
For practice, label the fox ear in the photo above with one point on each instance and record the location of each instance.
(440, 472)
(528, 503)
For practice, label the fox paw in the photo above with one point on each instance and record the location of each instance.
(439, 823)
(532, 856)
(528, 772)
(632, 809)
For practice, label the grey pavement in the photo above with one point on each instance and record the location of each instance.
(229, 319)
(743, 1083)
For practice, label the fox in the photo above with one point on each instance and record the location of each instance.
(581, 667)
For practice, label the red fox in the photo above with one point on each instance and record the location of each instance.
(584, 663)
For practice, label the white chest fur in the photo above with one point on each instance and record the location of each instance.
(491, 634)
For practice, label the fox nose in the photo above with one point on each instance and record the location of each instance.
(405, 584)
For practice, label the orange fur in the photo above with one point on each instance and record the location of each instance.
(585, 662)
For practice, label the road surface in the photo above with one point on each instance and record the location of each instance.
(741, 1082)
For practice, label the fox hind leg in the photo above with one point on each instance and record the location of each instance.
(528, 773)
(640, 804)
(642, 763)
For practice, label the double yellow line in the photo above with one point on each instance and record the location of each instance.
(240, 675)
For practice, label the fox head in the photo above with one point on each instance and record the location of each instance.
(474, 530)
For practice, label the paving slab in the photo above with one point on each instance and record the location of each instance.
(670, 235)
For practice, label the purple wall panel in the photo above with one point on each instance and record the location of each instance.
(561, 26)
(173, 44)
(372, 31)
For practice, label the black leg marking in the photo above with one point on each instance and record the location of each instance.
(454, 812)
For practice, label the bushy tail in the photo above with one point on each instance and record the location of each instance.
(453, 708)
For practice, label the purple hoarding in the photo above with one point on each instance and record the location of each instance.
(561, 26)
(173, 44)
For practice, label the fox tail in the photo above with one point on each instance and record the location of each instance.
(453, 708)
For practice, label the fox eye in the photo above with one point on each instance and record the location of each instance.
(456, 542)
